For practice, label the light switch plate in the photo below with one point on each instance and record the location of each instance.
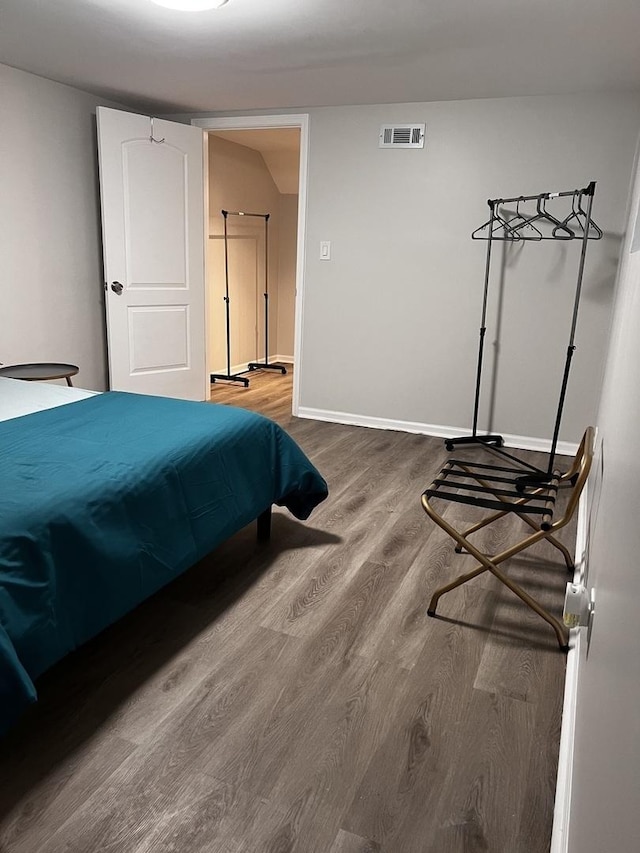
(325, 250)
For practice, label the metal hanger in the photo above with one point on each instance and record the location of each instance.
(542, 214)
(576, 214)
(525, 222)
(497, 223)
(567, 234)
(152, 137)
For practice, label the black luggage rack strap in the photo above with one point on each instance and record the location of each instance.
(451, 484)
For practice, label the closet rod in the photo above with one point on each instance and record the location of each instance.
(590, 190)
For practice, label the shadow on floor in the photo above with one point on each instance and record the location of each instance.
(80, 693)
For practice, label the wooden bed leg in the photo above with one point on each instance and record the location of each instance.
(264, 526)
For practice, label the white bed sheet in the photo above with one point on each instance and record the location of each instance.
(18, 397)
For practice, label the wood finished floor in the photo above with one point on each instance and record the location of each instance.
(293, 697)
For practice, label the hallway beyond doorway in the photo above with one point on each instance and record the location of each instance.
(269, 394)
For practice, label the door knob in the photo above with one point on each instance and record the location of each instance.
(117, 287)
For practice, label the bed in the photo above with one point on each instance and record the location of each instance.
(105, 498)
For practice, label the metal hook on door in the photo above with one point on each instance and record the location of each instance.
(152, 137)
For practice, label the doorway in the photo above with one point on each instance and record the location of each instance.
(256, 164)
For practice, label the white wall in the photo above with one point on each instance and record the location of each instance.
(391, 323)
(395, 313)
(606, 772)
(51, 289)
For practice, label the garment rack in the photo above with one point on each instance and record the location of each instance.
(253, 365)
(541, 224)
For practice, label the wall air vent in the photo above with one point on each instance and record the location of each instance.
(402, 136)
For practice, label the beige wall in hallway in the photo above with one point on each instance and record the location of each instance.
(240, 180)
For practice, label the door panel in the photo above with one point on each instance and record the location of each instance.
(158, 338)
(152, 191)
(156, 246)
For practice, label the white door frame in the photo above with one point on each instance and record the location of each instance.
(258, 122)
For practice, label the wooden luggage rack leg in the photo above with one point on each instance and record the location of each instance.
(488, 564)
(508, 497)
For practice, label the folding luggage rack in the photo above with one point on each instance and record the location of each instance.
(497, 487)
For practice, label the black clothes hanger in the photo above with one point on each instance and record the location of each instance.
(495, 224)
(520, 222)
(560, 230)
(580, 217)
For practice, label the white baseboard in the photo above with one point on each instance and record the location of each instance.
(562, 807)
(523, 442)
(244, 367)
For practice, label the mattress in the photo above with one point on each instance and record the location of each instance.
(19, 398)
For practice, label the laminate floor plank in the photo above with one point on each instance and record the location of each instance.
(276, 829)
(153, 698)
(200, 820)
(117, 818)
(478, 787)
(346, 842)
(288, 723)
(399, 794)
(53, 800)
(530, 669)
(352, 520)
(371, 518)
(357, 715)
(81, 698)
(540, 775)
(121, 812)
(205, 660)
(403, 630)
(294, 697)
(220, 703)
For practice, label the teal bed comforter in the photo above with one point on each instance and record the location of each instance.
(105, 500)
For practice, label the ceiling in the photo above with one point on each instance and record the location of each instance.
(303, 53)
(280, 149)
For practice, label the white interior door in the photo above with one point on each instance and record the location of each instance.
(152, 191)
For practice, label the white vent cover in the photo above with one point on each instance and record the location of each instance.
(402, 136)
